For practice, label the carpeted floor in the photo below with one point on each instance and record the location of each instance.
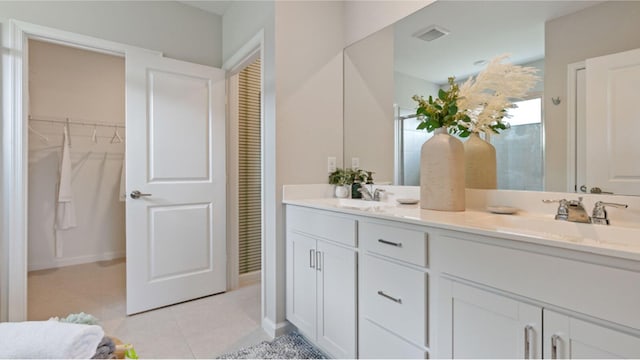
(290, 346)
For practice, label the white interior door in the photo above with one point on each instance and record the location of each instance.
(613, 123)
(176, 240)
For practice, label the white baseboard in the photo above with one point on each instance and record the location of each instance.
(56, 263)
(274, 330)
(250, 278)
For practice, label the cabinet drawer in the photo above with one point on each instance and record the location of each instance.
(377, 343)
(395, 297)
(323, 224)
(398, 243)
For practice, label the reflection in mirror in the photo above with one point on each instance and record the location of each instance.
(534, 153)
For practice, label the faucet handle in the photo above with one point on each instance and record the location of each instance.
(376, 194)
(616, 205)
(599, 215)
(563, 210)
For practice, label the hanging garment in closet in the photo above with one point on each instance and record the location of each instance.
(65, 209)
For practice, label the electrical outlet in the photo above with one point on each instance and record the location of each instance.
(355, 163)
(331, 164)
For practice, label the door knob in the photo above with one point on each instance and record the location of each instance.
(135, 194)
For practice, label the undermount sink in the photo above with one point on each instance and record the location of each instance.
(563, 230)
(355, 204)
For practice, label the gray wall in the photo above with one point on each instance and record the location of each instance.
(368, 104)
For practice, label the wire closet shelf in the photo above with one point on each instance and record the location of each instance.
(67, 121)
(115, 138)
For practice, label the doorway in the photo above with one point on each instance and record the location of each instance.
(76, 211)
(250, 173)
(245, 147)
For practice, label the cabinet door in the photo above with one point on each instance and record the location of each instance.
(336, 267)
(566, 337)
(301, 282)
(487, 325)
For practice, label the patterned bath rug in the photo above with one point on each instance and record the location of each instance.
(290, 346)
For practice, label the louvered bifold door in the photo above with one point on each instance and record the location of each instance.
(249, 168)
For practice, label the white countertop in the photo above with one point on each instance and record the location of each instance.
(525, 226)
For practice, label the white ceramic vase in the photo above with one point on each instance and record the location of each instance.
(442, 173)
(342, 191)
(479, 163)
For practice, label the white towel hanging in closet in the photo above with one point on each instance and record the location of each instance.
(65, 209)
(123, 191)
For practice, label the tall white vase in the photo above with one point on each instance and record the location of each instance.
(442, 173)
(479, 163)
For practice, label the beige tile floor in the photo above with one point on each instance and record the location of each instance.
(202, 328)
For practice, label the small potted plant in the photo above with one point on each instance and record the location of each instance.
(341, 178)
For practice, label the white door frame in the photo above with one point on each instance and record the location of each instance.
(572, 151)
(13, 241)
(251, 50)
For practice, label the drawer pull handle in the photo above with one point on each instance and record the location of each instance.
(318, 260)
(381, 293)
(387, 242)
(528, 330)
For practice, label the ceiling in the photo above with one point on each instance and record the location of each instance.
(213, 6)
(479, 30)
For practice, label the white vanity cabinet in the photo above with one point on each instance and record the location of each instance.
(387, 285)
(497, 300)
(321, 278)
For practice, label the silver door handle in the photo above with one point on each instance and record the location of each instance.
(527, 341)
(554, 346)
(318, 260)
(135, 194)
(312, 258)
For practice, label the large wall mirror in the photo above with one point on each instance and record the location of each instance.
(416, 55)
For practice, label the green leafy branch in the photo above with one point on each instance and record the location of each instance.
(442, 111)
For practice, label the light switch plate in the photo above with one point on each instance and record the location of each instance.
(355, 163)
(331, 164)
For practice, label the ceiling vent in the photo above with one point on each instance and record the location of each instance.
(431, 33)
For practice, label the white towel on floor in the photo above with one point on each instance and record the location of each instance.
(48, 340)
(65, 209)
(123, 192)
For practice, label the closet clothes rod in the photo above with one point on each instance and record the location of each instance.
(74, 122)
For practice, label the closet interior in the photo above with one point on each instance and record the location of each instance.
(76, 216)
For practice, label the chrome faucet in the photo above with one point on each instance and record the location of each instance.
(570, 210)
(366, 194)
(599, 215)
